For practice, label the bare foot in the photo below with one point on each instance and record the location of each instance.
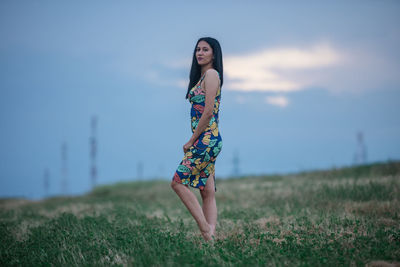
(212, 229)
(207, 234)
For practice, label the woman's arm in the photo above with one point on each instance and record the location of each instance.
(211, 84)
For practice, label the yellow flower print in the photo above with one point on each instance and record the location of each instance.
(195, 182)
(215, 132)
(202, 165)
(210, 168)
(213, 125)
(206, 139)
(195, 170)
(216, 106)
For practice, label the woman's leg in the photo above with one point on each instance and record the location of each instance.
(209, 203)
(193, 205)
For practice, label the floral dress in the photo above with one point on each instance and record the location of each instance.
(199, 161)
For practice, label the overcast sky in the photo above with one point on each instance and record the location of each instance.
(300, 80)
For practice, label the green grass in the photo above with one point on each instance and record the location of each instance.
(340, 217)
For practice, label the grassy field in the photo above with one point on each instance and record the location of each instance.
(341, 217)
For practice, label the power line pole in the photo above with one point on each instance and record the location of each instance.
(360, 156)
(46, 181)
(93, 151)
(235, 162)
(64, 170)
(139, 170)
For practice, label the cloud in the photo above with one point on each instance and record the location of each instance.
(270, 70)
(340, 69)
(280, 101)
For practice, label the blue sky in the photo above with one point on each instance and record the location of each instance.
(300, 80)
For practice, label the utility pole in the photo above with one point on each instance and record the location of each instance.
(93, 151)
(46, 181)
(360, 156)
(140, 170)
(64, 171)
(235, 162)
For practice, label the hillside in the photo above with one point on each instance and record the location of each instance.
(346, 216)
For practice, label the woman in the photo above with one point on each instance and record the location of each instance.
(200, 152)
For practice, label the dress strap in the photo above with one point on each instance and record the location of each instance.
(203, 76)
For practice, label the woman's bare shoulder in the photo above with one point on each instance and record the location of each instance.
(211, 80)
(212, 73)
(212, 76)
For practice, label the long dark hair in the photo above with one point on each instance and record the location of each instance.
(195, 71)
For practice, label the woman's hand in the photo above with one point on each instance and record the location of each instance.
(187, 146)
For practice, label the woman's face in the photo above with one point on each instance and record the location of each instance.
(204, 53)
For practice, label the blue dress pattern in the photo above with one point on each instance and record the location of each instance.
(199, 161)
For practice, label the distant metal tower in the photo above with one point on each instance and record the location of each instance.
(46, 181)
(64, 170)
(360, 156)
(93, 151)
(235, 162)
(139, 170)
